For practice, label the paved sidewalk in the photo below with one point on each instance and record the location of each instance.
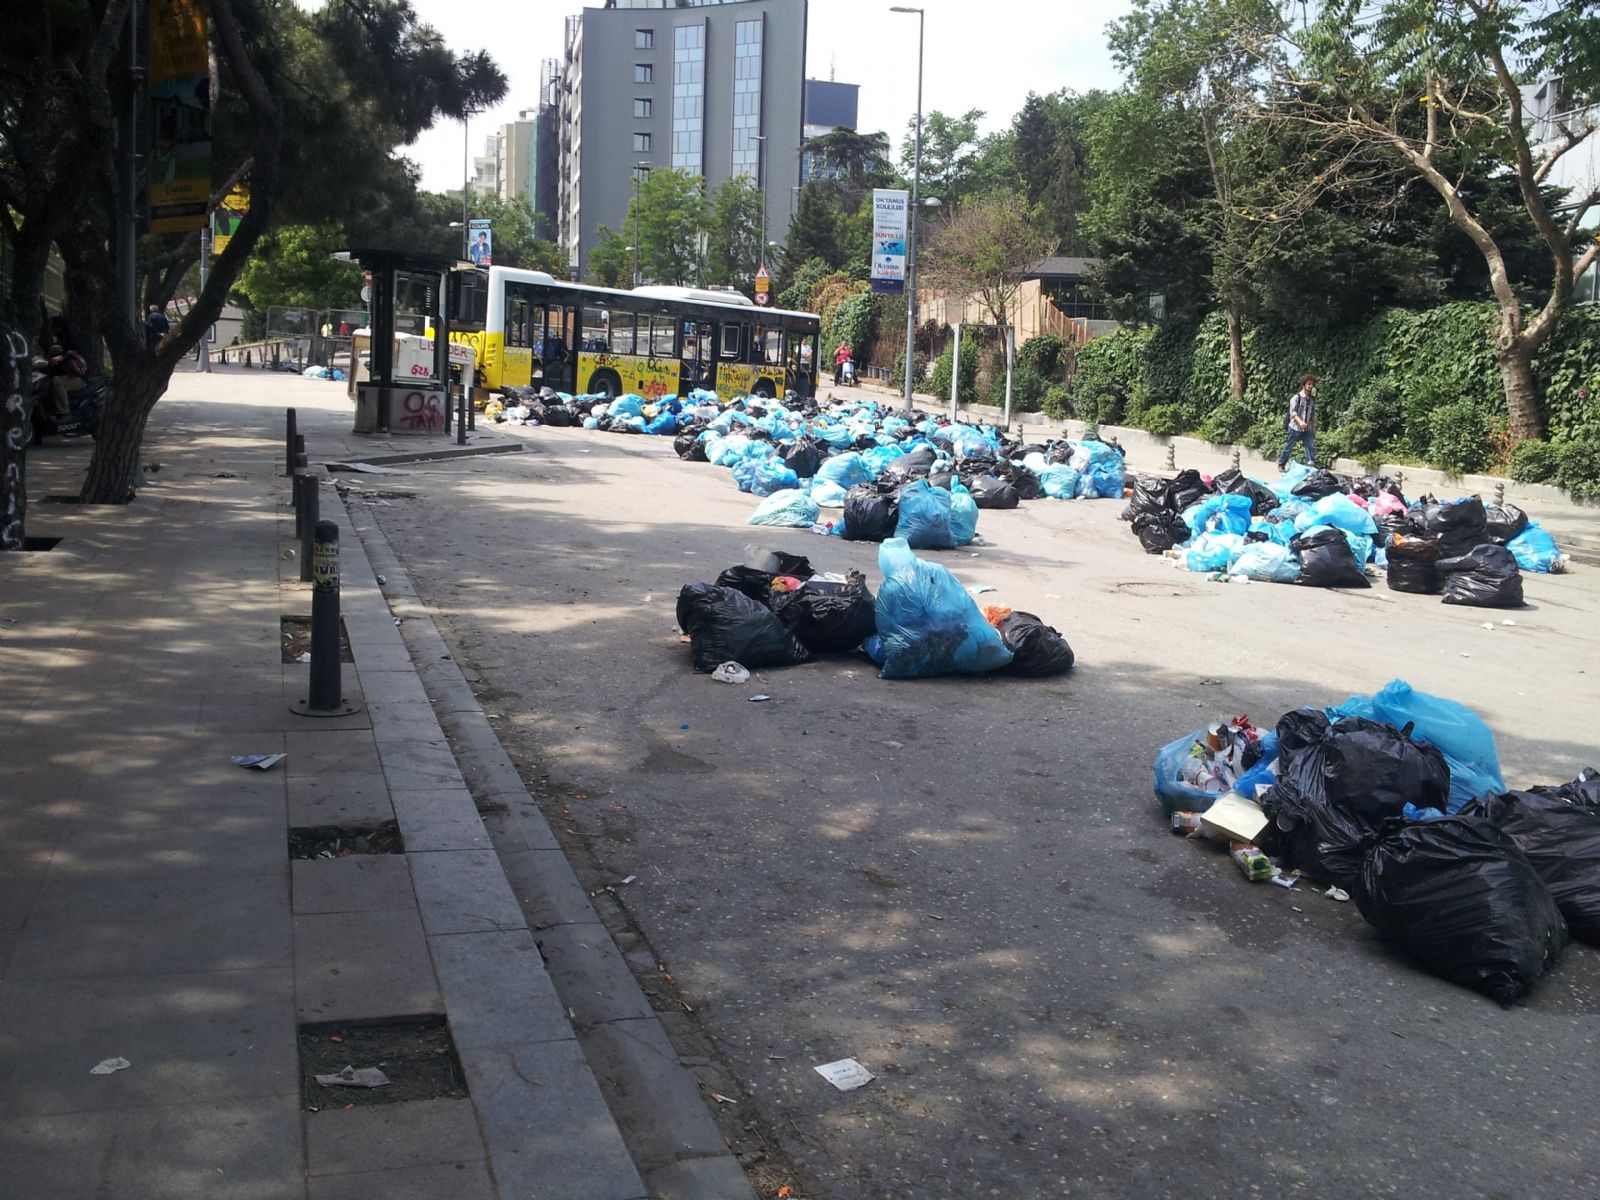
(148, 906)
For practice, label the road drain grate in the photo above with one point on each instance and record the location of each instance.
(416, 1055)
(342, 841)
(295, 637)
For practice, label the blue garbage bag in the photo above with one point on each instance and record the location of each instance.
(1535, 550)
(664, 422)
(591, 422)
(634, 423)
(1059, 481)
(727, 451)
(1177, 796)
(836, 436)
(1460, 734)
(929, 624)
(880, 458)
(763, 476)
(792, 507)
(1219, 513)
(1281, 532)
(846, 470)
(1293, 476)
(924, 520)
(1213, 551)
(1102, 480)
(626, 406)
(827, 493)
(963, 514)
(1268, 562)
(1339, 511)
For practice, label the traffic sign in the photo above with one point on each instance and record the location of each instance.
(763, 284)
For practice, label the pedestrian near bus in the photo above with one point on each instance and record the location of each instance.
(840, 356)
(1301, 423)
(156, 327)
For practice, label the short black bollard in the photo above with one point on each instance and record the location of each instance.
(324, 698)
(461, 420)
(290, 432)
(299, 502)
(310, 514)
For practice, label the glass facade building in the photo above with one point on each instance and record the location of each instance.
(689, 98)
(747, 36)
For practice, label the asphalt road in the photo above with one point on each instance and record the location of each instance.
(967, 884)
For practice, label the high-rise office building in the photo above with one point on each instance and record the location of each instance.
(828, 106)
(711, 87)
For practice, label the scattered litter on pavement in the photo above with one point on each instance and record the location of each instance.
(287, 556)
(846, 1074)
(628, 880)
(261, 762)
(110, 1066)
(303, 657)
(1508, 621)
(720, 1098)
(979, 589)
(382, 579)
(730, 672)
(1335, 892)
(759, 697)
(399, 621)
(364, 1077)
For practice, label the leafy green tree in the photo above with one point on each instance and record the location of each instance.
(1050, 150)
(950, 149)
(984, 249)
(813, 231)
(294, 265)
(668, 214)
(733, 234)
(611, 260)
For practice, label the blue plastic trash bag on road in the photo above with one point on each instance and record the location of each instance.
(664, 422)
(1213, 551)
(827, 494)
(1177, 796)
(1281, 532)
(846, 470)
(1060, 482)
(763, 476)
(1339, 511)
(1268, 562)
(1460, 734)
(591, 422)
(963, 514)
(1219, 513)
(1293, 476)
(924, 520)
(928, 623)
(1535, 550)
(1102, 481)
(791, 507)
(626, 406)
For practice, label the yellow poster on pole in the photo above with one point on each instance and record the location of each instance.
(225, 220)
(180, 116)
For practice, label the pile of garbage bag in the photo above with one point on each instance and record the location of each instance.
(1322, 529)
(1397, 800)
(777, 611)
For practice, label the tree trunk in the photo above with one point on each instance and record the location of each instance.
(15, 431)
(1235, 356)
(113, 475)
(1522, 395)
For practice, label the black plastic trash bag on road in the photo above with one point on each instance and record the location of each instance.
(1414, 567)
(779, 562)
(1186, 488)
(1486, 576)
(1027, 484)
(1558, 828)
(1502, 522)
(1159, 531)
(1320, 483)
(1459, 526)
(1391, 524)
(1235, 482)
(750, 581)
(869, 515)
(1459, 896)
(802, 456)
(1151, 494)
(689, 446)
(990, 491)
(830, 618)
(727, 626)
(1037, 650)
(1326, 560)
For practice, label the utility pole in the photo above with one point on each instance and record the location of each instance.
(127, 222)
(466, 187)
(760, 140)
(911, 256)
(204, 348)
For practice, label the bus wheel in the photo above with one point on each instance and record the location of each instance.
(763, 389)
(605, 383)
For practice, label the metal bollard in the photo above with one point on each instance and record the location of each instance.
(290, 433)
(1499, 493)
(1236, 458)
(324, 698)
(1172, 457)
(299, 502)
(310, 509)
(299, 449)
(472, 410)
(461, 420)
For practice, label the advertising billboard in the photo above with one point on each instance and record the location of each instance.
(889, 209)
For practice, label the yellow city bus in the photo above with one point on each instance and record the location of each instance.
(530, 329)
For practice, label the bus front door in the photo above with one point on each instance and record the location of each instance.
(697, 365)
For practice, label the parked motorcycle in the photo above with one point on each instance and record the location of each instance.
(83, 405)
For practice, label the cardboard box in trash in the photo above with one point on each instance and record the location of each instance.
(1232, 818)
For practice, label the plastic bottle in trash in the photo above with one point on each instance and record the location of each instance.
(1253, 865)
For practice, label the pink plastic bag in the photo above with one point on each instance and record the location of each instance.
(1387, 503)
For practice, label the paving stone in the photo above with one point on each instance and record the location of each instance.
(339, 800)
(497, 990)
(590, 974)
(515, 823)
(233, 1151)
(445, 819)
(216, 1036)
(550, 893)
(358, 965)
(381, 1137)
(178, 923)
(395, 720)
(463, 891)
(444, 1181)
(132, 842)
(320, 752)
(549, 1132)
(418, 765)
(717, 1178)
(382, 658)
(359, 883)
(392, 685)
(657, 1099)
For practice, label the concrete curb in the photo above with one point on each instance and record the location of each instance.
(389, 460)
(654, 1099)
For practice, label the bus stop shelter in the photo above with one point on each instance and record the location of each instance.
(414, 397)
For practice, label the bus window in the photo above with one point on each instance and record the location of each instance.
(663, 337)
(622, 332)
(597, 330)
(732, 341)
(518, 321)
(768, 347)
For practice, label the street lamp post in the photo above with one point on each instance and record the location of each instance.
(760, 140)
(466, 187)
(638, 202)
(916, 184)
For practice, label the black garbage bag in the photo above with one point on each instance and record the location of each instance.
(1320, 483)
(1036, 649)
(689, 446)
(1151, 494)
(941, 477)
(1027, 484)
(779, 562)
(1236, 483)
(1502, 522)
(1561, 837)
(1414, 566)
(830, 618)
(1389, 525)
(803, 456)
(870, 515)
(750, 581)
(1337, 781)
(1159, 532)
(1486, 576)
(1186, 488)
(1022, 452)
(1059, 453)
(727, 626)
(989, 491)
(559, 416)
(1326, 560)
(917, 462)
(1459, 896)
(1459, 526)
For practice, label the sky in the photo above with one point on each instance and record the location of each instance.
(984, 54)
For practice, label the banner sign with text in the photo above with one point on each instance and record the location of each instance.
(180, 116)
(889, 208)
(480, 242)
